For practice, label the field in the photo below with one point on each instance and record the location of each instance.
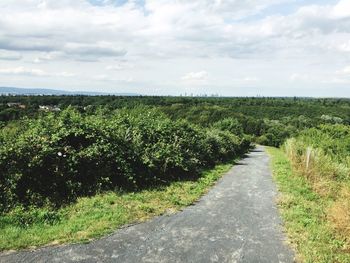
(65, 166)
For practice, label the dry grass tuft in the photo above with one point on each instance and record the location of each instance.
(339, 215)
(329, 179)
(317, 224)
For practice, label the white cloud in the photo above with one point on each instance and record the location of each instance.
(342, 9)
(299, 77)
(343, 46)
(156, 41)
(343, 75)
(159, 29)
(93, 51)
(245, 79)
(22, 71)
(47, 57)
(344, 71)
(33, 72)
(119, 66)
(9, 55)
(200, 77)
(337, 80)
(104, 77)
(63, 74)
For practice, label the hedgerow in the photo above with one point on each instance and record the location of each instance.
(59, 157)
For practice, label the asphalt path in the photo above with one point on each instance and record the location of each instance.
(237, 221)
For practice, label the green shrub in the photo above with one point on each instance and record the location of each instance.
(60, 157)
(334, 140)
(231, 125)
(275, 133)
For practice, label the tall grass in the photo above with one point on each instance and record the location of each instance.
(322, 156)
(304, 215)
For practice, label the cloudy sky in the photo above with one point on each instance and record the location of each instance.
(173, 47)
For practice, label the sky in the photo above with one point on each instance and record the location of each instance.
(178, 47)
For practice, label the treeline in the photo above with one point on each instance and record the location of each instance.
(53, 159)
(267, 125)
(269, 121)
(84, 100)
(271, 108)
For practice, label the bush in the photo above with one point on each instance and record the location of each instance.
(275, 133)
(231, 125)
(60, 157)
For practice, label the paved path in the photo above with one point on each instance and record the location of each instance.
(236, 221)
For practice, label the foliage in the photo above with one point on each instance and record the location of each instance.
(276, 133)
(229, 124)
(92, 217)
(257, 116)
(59, 157)
(106, 142)
(334, 140)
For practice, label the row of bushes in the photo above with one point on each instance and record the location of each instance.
(322, 155)
(271, 133)
(59, 157)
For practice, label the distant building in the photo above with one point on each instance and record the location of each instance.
(87, 107)
(49, 108)
(16, 105)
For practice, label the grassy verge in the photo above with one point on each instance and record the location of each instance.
(96, 216)
(304, 213)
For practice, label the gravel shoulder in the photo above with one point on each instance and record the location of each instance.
(237, 221)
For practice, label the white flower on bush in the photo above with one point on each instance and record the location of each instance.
(59, 154)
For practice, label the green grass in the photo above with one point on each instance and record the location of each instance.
(304, 215)
(96, 216)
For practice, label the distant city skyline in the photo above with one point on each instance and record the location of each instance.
(168, 47)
